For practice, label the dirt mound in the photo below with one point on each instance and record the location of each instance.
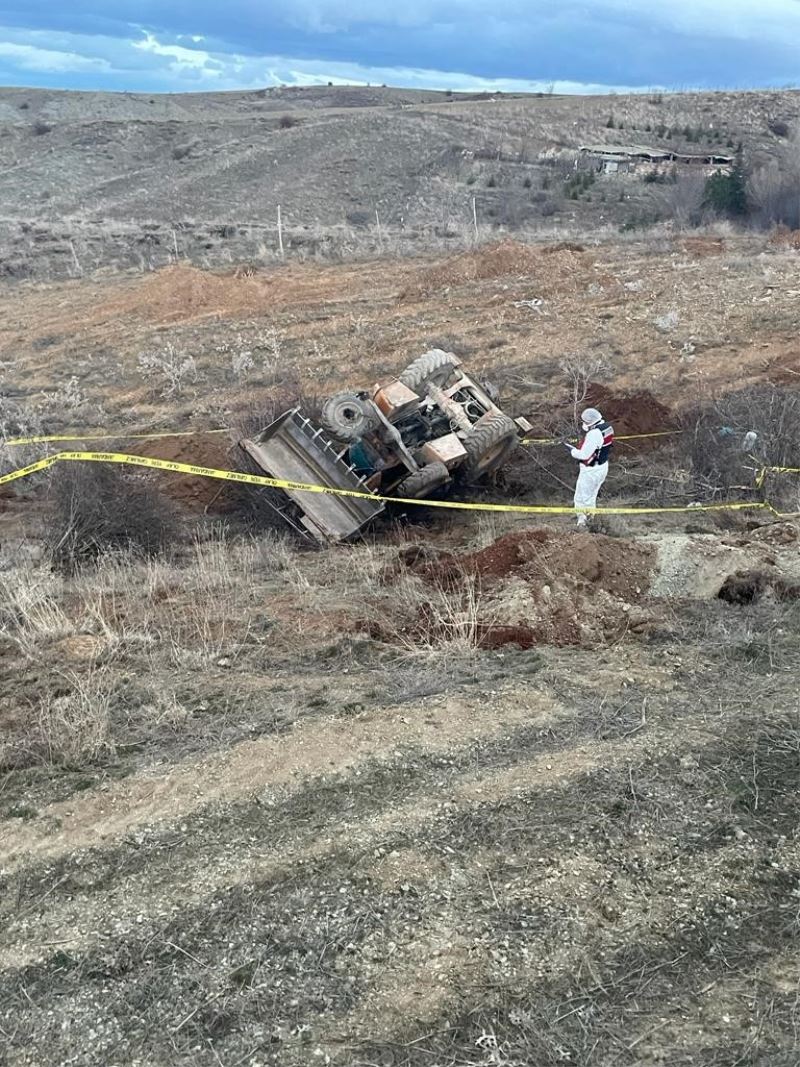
(190, 491)
(547, 586)
(563, 246)
(182, 292)
(551, 266)
(630, 412)
(618, 566)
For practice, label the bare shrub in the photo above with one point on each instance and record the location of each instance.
(73, 728)
(287, 122)
(580, 372)
(68, 396)
(667, 322)
(774, 193)
(94, 508)
(779, 128)
(16, 422)
(682, 200)
(170, 370)
(359, 218)
(184, 151)
(720, 454)
(242, 364)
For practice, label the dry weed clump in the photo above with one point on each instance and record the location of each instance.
(96, 508)
(428, 619)
(68, 725)
(31, 612)
(73, 728)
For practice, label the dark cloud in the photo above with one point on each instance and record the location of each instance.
(615, 42)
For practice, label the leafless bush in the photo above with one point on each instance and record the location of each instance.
(73, 728)
(16, 422)
(94, 508)
(774, 192)
(580, 372)
(720, 456)
(683, 199)
(67, 396)
(779, 128)
(171, 370)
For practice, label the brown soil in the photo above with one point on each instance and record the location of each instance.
(183, 292)
(578, 588)
(189, 491)
(553, 266)
(630, 413)
(704, 246)
(619, 566)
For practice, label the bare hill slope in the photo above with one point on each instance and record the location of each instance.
(99, 179)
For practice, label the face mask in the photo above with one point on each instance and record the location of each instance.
(585, 427)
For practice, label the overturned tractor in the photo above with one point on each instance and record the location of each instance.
(432, 426)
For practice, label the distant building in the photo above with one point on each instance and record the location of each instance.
(631, 159)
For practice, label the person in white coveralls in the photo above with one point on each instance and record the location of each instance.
(592, 454)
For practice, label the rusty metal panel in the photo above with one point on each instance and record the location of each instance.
(447, 450)
(395, 400)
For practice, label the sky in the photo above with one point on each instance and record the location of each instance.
(509, 45)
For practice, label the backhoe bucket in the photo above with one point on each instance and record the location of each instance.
(294, 450)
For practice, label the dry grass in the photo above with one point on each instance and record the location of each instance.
(73, 728)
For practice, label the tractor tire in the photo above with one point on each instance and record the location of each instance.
(434, 367)
(488, 446)
(346, 417)
(423, 482)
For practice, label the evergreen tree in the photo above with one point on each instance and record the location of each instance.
(726, 194)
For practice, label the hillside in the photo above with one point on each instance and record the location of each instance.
(92, 180)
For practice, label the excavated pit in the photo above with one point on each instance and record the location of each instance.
(543, 586)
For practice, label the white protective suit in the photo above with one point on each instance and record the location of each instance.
(589, 478)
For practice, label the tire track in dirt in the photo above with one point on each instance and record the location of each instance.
(190, 884)
(140, 896)
(314, 748)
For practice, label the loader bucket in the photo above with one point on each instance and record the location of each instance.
(293, 449)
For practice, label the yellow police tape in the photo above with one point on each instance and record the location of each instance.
(122, 436)
(764, 471)
(279, 483)
(618, 437)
